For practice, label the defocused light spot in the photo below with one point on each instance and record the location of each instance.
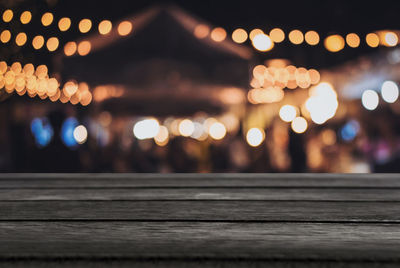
(372, 40)
(334, 43)
(263, 42)
(218, 34)
(288, 113)
(186, 128)
(16, 67)
(67, 132)
(85, 25)
(8, 15)
(296, 37)
(370, 100)
(52, 86)
(314, 76)
(70, 48)
(353, 40)
(29, 69)
(41, 71)
(277, 35)
(328, 137)
(125, 28)
(42, 131)
(52, 43)
(146, 129)
(20, 39)
(312, 38)
(38, 42)
(105, 27)
(217, 131)
(80, 134)
(350, 130)
(299, 125)
(201, 31)
(254, 33)
(5, 36)
(390, 92)
(255, 137)
(162, 137)
(47, 19)
(391, 39)
(239, 36)
(84, 48)
(70, 88)
(64, 24)
(26, 17)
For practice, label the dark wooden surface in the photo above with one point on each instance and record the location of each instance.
(224, 220)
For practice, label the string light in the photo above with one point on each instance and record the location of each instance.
(105, 27)
(8, 15)
(38, 42)
(70, 48)
(353, 40)
(262, 42)
(47, 19)
(277, 35)
(372, 40)
(124, 28)
(52, 44)
(255, 137)
(312, 38)
(26, 17)
(296, 37)
(85, 25)
(5, 36)
(334, 43)
(84, 48)
(239, 36)
(64, 24)
(20, 39)
(201, 31)
(218, 34)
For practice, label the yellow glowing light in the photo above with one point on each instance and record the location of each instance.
(52, 43)
(296, 37)
(70, 48)
(186, 128)
(263, 42)
(8, 15)
(277, 35)
(84, 48)
(217, 131)
(20, 39)
(353, 40)
(218, 34)
(52, 86)
(29, 69)
(16, 67)
(26, 17)
(5, 36)
(125, 28)
(85, 25)
(254, 33)
(299, 125)
(47, 19)
(288, 113)
(312, 38)
(64, 24)
(255, 137)
(70, 88)
(3, 67)
(334, 43)
(41, 71)
(146, 129)
(80, 134)
(38, 42)
(105, 27)
(162, 137)
(201, 31)
(372, 40)
(391, 39)
(239, 36)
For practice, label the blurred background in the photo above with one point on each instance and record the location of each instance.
(199, 86)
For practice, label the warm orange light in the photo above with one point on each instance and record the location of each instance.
(263, 42)
(218, 34)
(64, 24)
(254, 33)
(41, 71)
(85, 25)
(201, 31)
(38, 42)
(70, 48)
(84, 48)
(70, 88)
(296, 37)
(315, 77)
(334, 43)
(8, 15)
(26, 17)
(125, 28)
(47, 19)
(105, 27)
(52, 43)
(29, 69)
(5, 36)
(372, 40)
(277, 35)
(353, 40)
(391, 39)
(312, 38)
(20, 39)
(239, 36)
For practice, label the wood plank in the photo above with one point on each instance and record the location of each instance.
(317, 211)
(76, 181)
(266, 194)
(277, 241)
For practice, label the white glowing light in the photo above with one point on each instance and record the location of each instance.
(299, 125)
(162, 136)
(80, 134)
(263, 42)
(370, 100)
(390, 92)
(322, 103)
(255, 137)
(186, 128)
(217, 131)
(287, 113)
(146, 129)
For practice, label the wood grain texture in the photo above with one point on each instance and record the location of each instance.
(199, 220)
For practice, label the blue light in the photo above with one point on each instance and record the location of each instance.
(42, 131)
(350, 130)
(67, 132)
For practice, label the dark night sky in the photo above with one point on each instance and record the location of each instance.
(326, 17)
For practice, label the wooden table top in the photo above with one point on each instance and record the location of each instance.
(198, 220)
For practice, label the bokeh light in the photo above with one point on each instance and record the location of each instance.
(20, 39)
(84, 48)
(105, 27)
(8, 15)
(85, 25)
(47, 19)
(299, 125)
(186, 128)
(288, 113)
(64, 24)
(255, 136)
(277, 35)
(146, 129)
(296, 37)
(239, 36)
(370, 100)
(372, 40)
(353, 40)
(26, 17)
(218, 34)
(312, 38)
(254, 33)
(52, 43)
(391, 39)
(5, 36)
(217, 131)
(38, 42)
(390, 92)
(125, 28)
(334, 43)
(80, 134)
(201, 31)
(161, 139)
(70, 48)
(263, 42)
